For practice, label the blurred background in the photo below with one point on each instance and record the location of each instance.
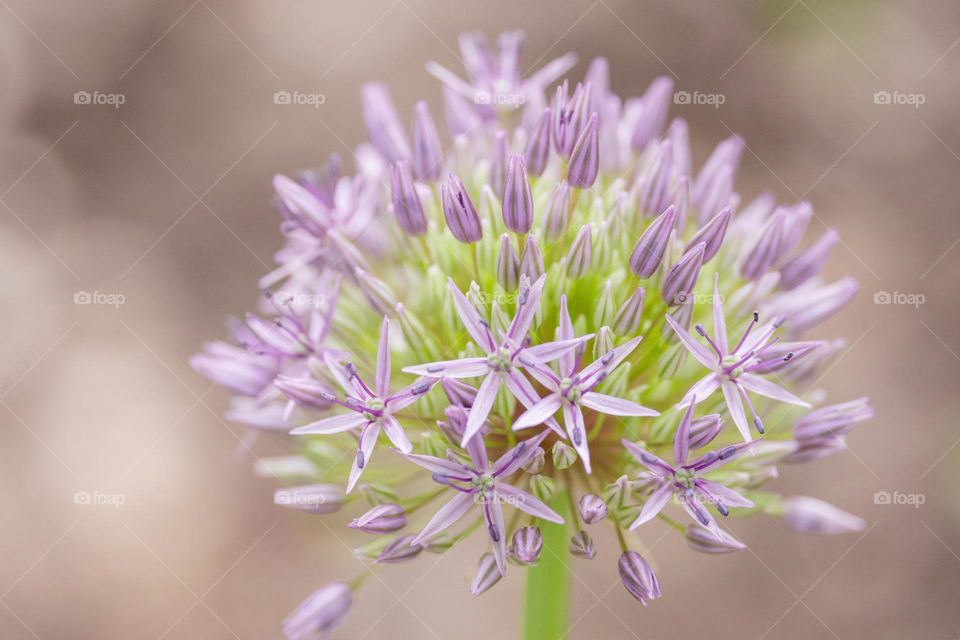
(128, 514)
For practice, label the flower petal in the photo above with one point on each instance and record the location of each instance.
(565, 332)
(471, 319)
(659, 467)
(654, 504)
(719, 321)
(397, 435)
(333, 424)
(461, 368)
(703, 355)
(527, 306)
(550, 351)
(523, 390)
(735, 405)
(528, 503)
(446, 516)
(516, 457)
(701, 390)
(681, 442)
(755, 383)
(486, 395)
(538, 413)
(573, 420)
(716, 492)
(614, 406)
(497, 530)
(368, 440)
(610, 360)
(383, 360)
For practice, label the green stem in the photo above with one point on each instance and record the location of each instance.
(548, 582)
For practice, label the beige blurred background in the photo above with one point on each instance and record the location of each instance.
(164, 201)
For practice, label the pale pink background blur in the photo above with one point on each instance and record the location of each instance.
(165, 201)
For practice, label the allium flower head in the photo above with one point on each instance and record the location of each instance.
(537, 306)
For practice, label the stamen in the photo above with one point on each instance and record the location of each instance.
(758, 423)
(705, 336)
(743, 338)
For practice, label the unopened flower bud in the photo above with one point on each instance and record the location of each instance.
(638, 577)
(320, 614)
(542, 487)
(459, 211)
(384, 518)
(537, 154)
(526, 544)
(427, 150)
(682, 277)
(535, 462)
(648, 252)
(581, 546)
(487, 575)
(592, 508)
(563, 455)
(809, 515)
(399, 550)
(517, 199)
(712, 541)
(585, 158)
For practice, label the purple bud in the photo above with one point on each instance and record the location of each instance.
(767, 249)
(704, 429)
(822, 303)
(579, 257)
(383, 124)
(535, 462)
(320, 614)
(809, 262)
(809, 515)
(458, 392)
(581, 545)
(427, 151)
(653, 115)
(508, 264)
(638, 577)
(718, 195)
(517, 199)
(656, 189)
(592, 508)
(537, 153)
(627, 320)
(585, 158)
(707, 540)
(456, 423)
(313, 498)
(487, 575)
(306, 392)
(798, 217)
(649, 250)
(835, 419)
(557, 215)
(399, 550)
(569, 116)
(679, 136)
(726, 154)
(377, 292)
(810, 449)
(526, 544)
(531, 262)
(498, 163)
(682, 277)
(383, 518)
(712, 233)
(406, 202)
(460, 212)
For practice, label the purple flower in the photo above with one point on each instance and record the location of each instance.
(383, 518)
(712, 541)
(484, 484)
(685, 482)
(638, 577)
(320, 614)
(733, 370)
(571, 389)
(517, 199)
(406, 202)
(460, 212)
(526, 544)
(370, 409)
(488, 574)
(648, 252)
(585, 157)
(809, 515)
(582, 546)
(592, 508)
(427, 151)
(500, 364)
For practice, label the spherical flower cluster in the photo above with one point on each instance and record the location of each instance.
(557, 319)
